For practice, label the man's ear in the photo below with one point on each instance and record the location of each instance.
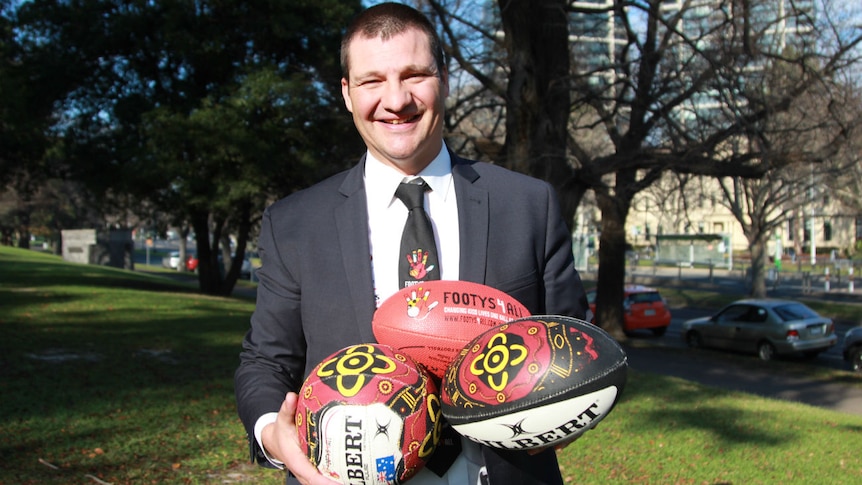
(345, 93)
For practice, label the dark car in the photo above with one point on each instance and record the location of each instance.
(643, 309)
(766, 327)
(853, 348)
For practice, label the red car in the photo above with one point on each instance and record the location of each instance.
(643, 308)
(191, 263)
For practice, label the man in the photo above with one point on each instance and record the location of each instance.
(330, 253)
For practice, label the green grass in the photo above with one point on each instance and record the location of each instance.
(120, 375)
(671, 431)
(128, 378)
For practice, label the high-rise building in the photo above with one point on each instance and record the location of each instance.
(597, 36)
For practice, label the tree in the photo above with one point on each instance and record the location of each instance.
(819, 137)
(647, 98)
(845, 183)
(33, 80)
(203, 111)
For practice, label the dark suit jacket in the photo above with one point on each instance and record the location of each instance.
(315, 294)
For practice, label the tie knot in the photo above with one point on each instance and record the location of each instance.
(412, 193)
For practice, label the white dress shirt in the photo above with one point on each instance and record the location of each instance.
(387, 215)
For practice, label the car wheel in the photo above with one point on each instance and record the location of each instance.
(856, 359)
(659, 331)
(693, 340)
(766, 351)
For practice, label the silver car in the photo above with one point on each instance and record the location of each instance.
(853, 348)
(765, 326)
(171, 260)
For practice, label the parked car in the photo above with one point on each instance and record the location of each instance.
(244, 269)
(171, 260)
(192, 263)
(766, 327)
(853, 348)
(643, 308)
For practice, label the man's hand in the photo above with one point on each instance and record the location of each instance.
(281, 442)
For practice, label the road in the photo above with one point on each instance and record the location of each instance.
(668, 355)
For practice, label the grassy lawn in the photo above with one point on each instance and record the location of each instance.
(123, 377)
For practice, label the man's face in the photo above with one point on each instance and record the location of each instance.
(397, 99)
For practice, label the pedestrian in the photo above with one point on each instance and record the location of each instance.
(330, 254)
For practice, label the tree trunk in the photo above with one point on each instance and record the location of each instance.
(758, 267)
(612, 249)
(184, 247)
(23, 227)
(209, 277)
(200, 223)
(538, 99)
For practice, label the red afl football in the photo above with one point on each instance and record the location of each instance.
(432, 321)
(534, 382)
(368, 414)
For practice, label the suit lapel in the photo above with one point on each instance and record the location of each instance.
(472, 221)
(352, 226)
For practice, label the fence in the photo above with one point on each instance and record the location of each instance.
(690, 249)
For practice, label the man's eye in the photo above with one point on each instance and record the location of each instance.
(419, 76)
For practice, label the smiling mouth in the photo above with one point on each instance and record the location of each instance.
(401, 122)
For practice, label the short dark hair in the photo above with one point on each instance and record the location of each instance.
(386, 20)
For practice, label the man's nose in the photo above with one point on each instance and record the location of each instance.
(396, 96)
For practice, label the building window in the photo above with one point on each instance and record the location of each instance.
(791, 229)
(827, 231)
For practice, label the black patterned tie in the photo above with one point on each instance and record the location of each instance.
(418, 261)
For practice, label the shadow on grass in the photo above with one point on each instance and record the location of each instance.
(54, 366)
(39, 281)
(78, 385)
(31, 275)
(685, 405)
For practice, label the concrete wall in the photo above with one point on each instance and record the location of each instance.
(78, 245)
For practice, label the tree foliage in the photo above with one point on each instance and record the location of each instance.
(33, 79)
(200, 112)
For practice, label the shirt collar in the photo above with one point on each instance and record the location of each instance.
(381, 180)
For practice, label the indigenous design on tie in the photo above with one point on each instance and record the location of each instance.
(418, 261)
